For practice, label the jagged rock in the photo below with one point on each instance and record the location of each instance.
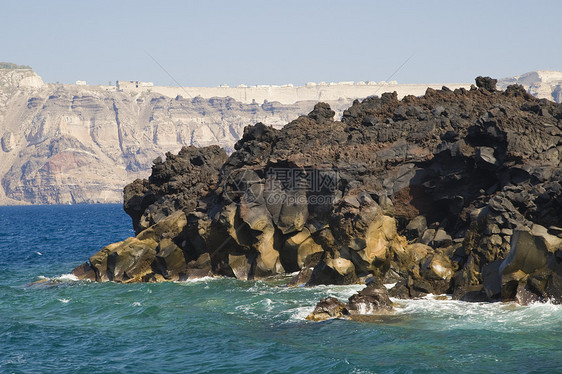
(459, 172)
(84, 272)
(128, 260)
(327, 308)
(175, 184)
(169, 227)
(322, 113)
(486, 155)
(372, 299)
(486, 83)
(473, 293)
(334, 271)
(170, 260)
(415, 228)
(531, 266)
(492, 282)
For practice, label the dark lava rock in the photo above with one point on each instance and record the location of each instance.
(327, 308)
(372, 299)
(432, 192)
(175, 184)
(486, 83)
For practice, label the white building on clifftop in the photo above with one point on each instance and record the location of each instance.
(133, 85)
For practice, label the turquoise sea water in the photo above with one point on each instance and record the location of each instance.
(229, 326)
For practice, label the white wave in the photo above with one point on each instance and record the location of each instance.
(300, 313)
(67, 277)
(365, 309)
(492, 316)
(64, 301)
(136, 303)
(361, 371)
(61, 278)
(199, 280)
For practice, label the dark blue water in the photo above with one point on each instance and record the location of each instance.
(225, 325)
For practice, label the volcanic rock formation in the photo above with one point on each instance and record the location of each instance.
(453, 192)
(373, 299)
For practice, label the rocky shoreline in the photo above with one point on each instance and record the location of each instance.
(456, 192)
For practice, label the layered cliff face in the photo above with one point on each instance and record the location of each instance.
(542, 84)
(456, 191)
(64, 144)
(81, 144)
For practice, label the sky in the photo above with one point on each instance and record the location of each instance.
(208, 43)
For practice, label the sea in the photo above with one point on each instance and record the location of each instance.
(52, 323)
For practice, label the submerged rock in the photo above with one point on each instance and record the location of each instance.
(327, 308)
(372, 300)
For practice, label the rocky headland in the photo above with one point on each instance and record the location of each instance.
(456, 192)
(78, 143)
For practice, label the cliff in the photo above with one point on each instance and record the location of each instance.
(453, 192)
(81, 144)
(63, 144)
(542, 84)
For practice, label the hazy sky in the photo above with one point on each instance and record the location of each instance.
(207, 43)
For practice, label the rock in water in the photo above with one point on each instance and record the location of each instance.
(531, 270)
(373, 299)
(430, 192)
(175, 184)
(327, 308)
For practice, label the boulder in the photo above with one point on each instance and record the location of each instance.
(84, 272)
(415, 228)
(241, 265)
(170, 227)
(304, 275)
(441, 239)
(328, 308)
(332, 270)
(486, 83)
(492, 281)
(170, 260)
(125, 261)
(297, 249)
(459, 173)
(372, 299)
(531, 266)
